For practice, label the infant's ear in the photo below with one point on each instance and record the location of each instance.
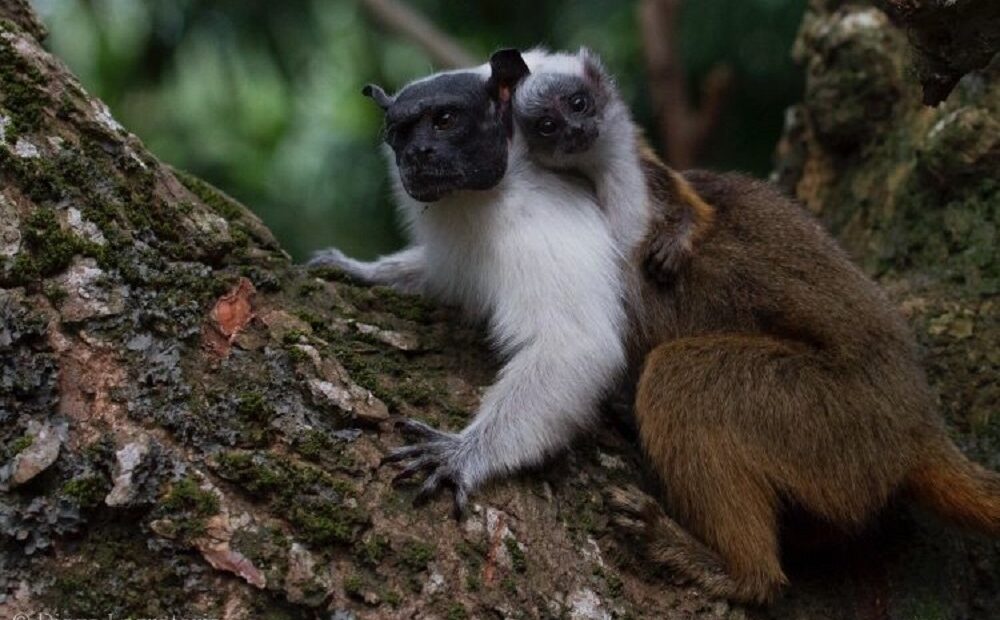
(593, 67)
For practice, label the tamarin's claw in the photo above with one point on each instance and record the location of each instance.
(398, 454)
(440, 455)
(461, 501)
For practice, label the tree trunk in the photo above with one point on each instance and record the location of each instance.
(191, 425)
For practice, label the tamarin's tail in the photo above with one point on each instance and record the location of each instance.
(957, 489)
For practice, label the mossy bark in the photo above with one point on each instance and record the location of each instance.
(192, 425)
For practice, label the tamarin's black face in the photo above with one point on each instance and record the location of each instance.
(559, 114)
(446, 136)
(450, 132)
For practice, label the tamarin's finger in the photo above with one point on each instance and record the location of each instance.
(429, 489)
(461, 501)
(423, 463)
(630, 501)
(422, 429)
(401, 454)
(632, 527)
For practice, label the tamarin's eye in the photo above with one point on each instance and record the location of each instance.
(546, 126)
(443, 120)
(579, 102)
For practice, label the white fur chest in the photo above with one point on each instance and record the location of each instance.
(533, 251)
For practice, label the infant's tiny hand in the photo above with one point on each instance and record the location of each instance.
(665, 256)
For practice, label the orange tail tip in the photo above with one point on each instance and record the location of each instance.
(958, 490)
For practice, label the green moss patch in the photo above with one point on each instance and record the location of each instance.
(21, 88)
(312, 500)
(48, 248)
(17, 446)
(88, 491)
(416, 555)
(188, 507)
(372, 550)
(517, 558)
(115, 574)
(213, 198)
(319, 447)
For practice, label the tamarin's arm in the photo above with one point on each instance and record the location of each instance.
(403, 271)
(565, 338)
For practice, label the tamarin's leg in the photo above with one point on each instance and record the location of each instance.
(716, 417)
(733, 424)
(730, 546)
(757, 577)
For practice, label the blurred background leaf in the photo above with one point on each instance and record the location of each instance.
(263, 99)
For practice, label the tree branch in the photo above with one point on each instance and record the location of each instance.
(684, 131)
(408, 23)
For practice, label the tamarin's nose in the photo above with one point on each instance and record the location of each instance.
(419, 153)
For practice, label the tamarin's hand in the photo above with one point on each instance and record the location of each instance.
(680, 221)
(403, 271)
(667, 252)
(444, 455)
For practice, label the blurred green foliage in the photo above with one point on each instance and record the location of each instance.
(263, 98)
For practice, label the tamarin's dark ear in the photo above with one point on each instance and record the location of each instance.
(378, 95)
(507, 68)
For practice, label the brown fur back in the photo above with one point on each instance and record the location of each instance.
(839, 411)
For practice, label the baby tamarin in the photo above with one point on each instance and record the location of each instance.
(574, 119)
(779, 374)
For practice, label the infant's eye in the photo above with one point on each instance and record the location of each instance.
(444, 120)
(579, 102)
(546, 126)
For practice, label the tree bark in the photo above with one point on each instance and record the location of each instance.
(192, 425)
(949, 38)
